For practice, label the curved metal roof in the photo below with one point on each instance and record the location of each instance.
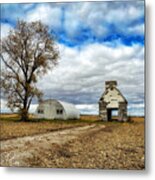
(70, 109)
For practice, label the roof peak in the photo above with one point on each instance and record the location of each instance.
(110, 84)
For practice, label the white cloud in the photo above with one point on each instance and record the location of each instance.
(79, 78)
(93, 15)
(87, 108)
(5, 29)
(141, 105)
(4, 107)
(80, 75)
(137, 29)
(47, 14)
(124, 12)
(97, 16)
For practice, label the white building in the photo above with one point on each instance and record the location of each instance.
(112, 99)
(55, 109)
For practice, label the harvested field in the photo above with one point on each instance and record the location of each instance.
(13, 129)
(110, 145)
(89, 118)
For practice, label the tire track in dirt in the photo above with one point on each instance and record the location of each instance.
(15, 152)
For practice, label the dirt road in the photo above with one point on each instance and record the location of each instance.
(16, 152)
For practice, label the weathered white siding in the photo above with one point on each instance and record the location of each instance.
(113, 98)
(54, 109)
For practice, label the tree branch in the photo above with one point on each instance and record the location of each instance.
(11, 68)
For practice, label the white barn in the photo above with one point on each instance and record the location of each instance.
(55, 109)
(112, 99)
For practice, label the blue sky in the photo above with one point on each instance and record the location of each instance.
(98, 41)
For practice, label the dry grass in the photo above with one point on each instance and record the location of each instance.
(97, 118)
(118, 146)
(137, 119)
(89, 118)
(5, 115)
(13, 129)
(13, 116)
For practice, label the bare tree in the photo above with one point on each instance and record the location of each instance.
(26, 53)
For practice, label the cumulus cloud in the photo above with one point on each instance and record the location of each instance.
(79, 78)
(88, 108)
(84, 22)
(4, 107)
(5, 29)
(98, 41)
(47, 14)
(137, 29)
(104, 18)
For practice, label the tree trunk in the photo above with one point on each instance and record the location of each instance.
(24, 110)
(24, 115)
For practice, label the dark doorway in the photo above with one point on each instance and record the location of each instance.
(112, 114)
(109, 114)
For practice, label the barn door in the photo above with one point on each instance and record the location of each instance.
(109, 114)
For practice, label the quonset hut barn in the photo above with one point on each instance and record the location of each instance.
(55, 109)
(112, 99)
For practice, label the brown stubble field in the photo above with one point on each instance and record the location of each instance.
(11, 127)
(110, 145)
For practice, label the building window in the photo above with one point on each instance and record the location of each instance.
(40, 111)
(59, 111)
